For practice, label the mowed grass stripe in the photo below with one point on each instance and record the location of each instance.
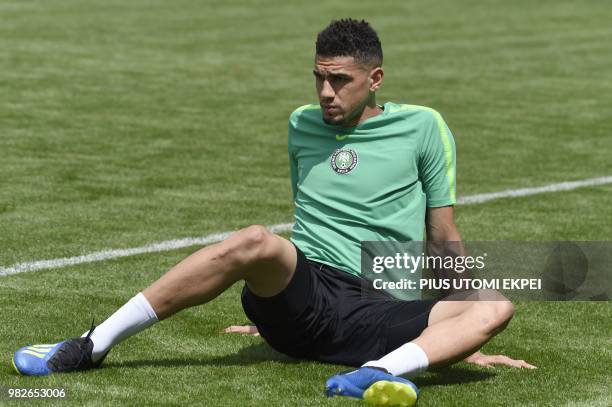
(195, 364)
(127, 123)
(278, 228)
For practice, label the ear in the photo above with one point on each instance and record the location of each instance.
(376, 78)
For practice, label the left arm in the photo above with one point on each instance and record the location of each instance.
(443, 240)
(440, 227)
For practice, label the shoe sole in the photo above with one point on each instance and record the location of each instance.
(15, 367)
(387, 393)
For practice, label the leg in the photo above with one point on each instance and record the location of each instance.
(454, 330)
(264, 260)
(457, 329)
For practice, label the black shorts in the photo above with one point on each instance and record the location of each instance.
(328, 315)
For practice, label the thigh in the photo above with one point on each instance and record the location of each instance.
(448, 309)
(290, 320)
(373, 328)
(459, 303)
(366, 323)
(407, 320)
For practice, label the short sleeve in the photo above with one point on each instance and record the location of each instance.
(437, 160)
(293, 168)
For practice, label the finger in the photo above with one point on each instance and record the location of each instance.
(520, 364)
(499, 359)
(515, 363)
(482, 362)
(525, 365)
(492, 360)
(231, 329)
(242, 329)
(251, 330)
(506, 361)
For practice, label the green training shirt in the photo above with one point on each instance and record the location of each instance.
(369, 182)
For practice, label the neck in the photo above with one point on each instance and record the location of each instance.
(370, 109)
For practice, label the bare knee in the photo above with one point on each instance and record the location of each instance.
(246, 246)
(504, 311)
(253, 238)
(494, 316)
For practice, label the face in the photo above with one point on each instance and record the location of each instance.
(344, 88)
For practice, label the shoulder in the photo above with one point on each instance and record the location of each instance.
(304, 110)
(415, 112)
(425, 118)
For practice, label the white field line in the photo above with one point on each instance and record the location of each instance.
(278, 228)
(513, 193)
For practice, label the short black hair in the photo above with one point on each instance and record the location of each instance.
(350, 38)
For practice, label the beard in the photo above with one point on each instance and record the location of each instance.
(331, 121)
(336, 120)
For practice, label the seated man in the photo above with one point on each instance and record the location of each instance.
(360, 172)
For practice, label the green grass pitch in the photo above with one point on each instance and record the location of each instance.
(126, 123)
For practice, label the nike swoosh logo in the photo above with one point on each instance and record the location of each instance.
(341, 137)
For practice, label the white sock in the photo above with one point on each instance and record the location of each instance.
(408, 359)
(133, 317)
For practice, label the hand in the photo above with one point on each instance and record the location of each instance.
(242, 329)
(481, 359)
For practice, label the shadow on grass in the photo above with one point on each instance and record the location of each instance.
(249, 355)
(453, 375)
(262, 352)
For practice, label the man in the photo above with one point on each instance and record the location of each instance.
(359, 171)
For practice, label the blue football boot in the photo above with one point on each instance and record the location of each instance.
(375, 386)
(66, 356)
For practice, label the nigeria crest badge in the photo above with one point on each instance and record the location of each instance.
(343, 161)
